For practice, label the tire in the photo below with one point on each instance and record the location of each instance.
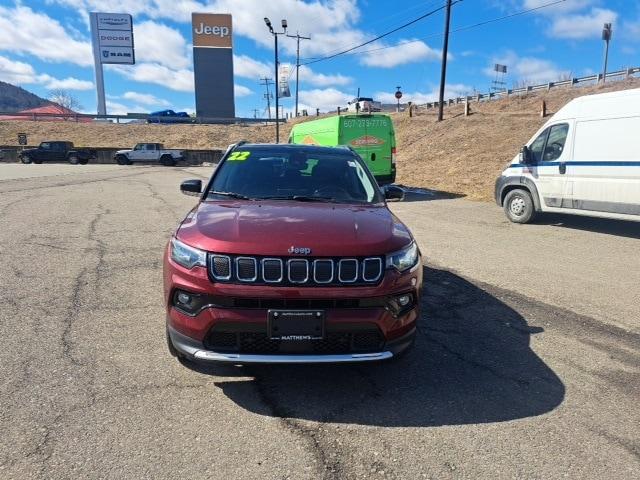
(26, 160)
(167, 161)
(74, 160)
(122, 160)
(518, 206)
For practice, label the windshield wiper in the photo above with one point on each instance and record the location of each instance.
(230, 194)
(301, 198)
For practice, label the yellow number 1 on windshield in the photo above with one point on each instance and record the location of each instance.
(239, 156)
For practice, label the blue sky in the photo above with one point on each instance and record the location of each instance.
(45, 44)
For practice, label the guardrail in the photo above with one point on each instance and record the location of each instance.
(531, 88)
(78, 117)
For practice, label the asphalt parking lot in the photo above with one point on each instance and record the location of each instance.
(527, 362)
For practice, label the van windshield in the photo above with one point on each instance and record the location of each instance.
(269, 172)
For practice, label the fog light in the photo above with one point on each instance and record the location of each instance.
(184, 298)
(404, 300)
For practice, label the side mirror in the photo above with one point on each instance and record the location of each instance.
(525, 155)
(191, 187)
(391, 192)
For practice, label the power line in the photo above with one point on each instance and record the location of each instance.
(403, 12)
(460, 29)
(405, 25)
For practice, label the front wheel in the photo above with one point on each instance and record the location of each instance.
(26, 160)
(167, 161)
(518, 206)
(74, 160)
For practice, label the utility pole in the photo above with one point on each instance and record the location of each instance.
(255, 112)
(267, 82)
(445, 48)
(606, 36)
(298, 37)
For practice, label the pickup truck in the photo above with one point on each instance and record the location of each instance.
(149, 152)
(169, 116)
(56, 151)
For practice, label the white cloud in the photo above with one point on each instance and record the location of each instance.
(242, 91)
(581, 26)
(115, 108)
(69, 83)
(247, 67)
(566, 6)
(528, 70)
(180, 80)
(324, 99)
(24, 31)
(16, 73)
(145, 99)
(307, 75)
(406, 51)
(329, 22)
(450, 91)
(21, 73)
(158, 43)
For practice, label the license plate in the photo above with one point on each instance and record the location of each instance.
(296, 325)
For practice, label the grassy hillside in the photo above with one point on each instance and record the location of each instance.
(461, 155)
(13, 99)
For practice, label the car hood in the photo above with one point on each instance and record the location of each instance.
(272, 227)
(122, 152)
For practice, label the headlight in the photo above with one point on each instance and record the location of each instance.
(403, 259)
(187, 256)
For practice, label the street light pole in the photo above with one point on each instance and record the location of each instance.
(275, 36)
(606, 36)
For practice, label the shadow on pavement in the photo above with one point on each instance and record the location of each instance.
(471, 364)
(417, 194)
(621, 228)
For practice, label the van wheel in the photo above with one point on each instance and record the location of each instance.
(74, 160)
(518, 206)
(167, 161)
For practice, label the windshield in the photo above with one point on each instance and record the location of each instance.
(287, 173)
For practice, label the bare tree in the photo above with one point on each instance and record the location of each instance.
(65, 99)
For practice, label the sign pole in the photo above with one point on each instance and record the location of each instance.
(102, 104)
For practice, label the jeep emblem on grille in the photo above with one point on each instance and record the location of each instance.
(299, 250)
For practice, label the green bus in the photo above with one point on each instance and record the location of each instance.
(371, 136)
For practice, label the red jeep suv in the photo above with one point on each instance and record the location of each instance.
(291, 256)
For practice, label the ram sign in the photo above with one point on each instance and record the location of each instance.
(213, 64)
(112, 41)
(113, 36)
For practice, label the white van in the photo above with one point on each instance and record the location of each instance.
(585, 160)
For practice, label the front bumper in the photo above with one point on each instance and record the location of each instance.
(196, 351)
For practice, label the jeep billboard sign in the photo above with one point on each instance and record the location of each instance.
(213, 64)
(211, 30)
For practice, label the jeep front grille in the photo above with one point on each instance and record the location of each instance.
(296, 271)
